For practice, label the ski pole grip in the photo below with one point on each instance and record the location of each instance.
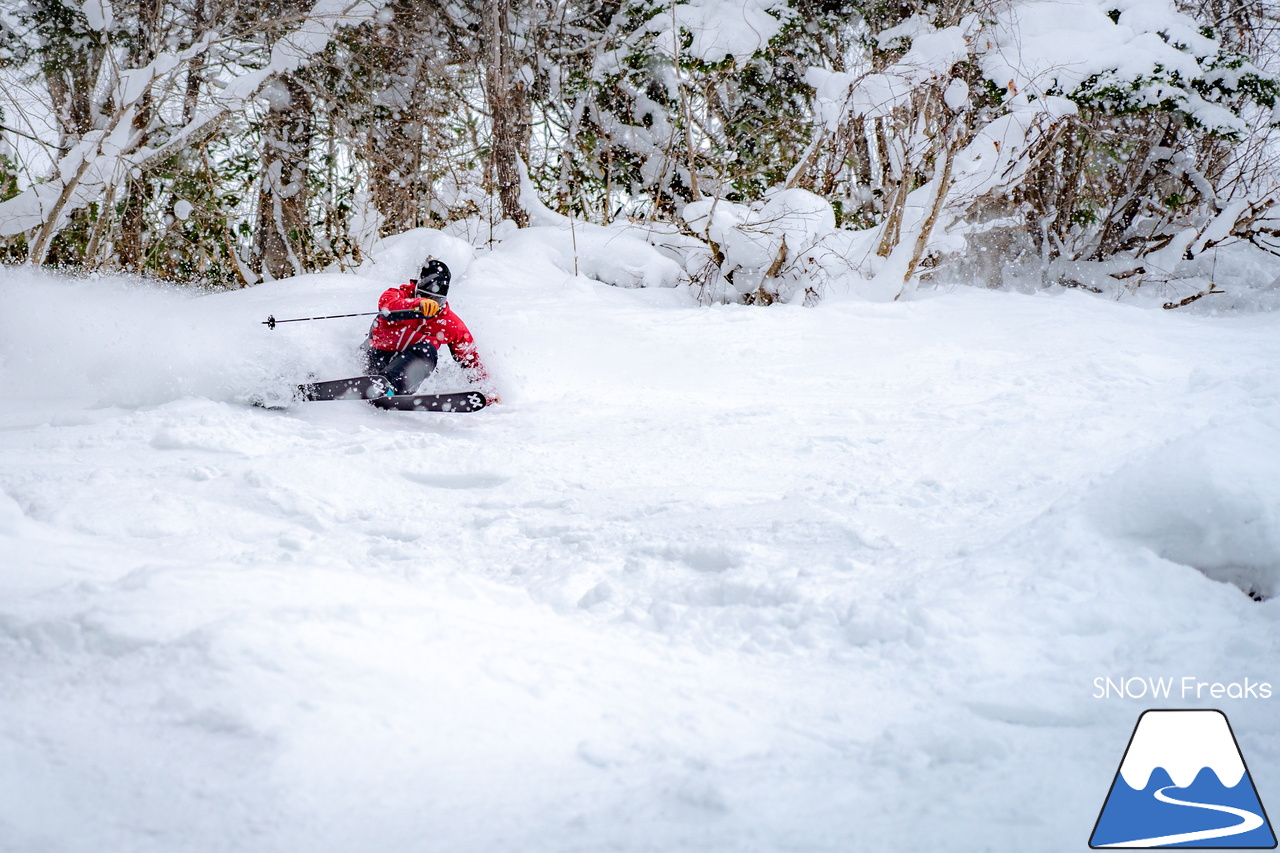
(400, 316)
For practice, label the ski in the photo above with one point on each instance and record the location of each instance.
(355, 388)
(465, 401)
(375, 390)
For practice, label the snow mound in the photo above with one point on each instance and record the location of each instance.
(604, 254)
(399, 257)
(1210, 501)
(1242, 277)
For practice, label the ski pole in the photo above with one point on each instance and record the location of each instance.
(271, 321)
(390, 316)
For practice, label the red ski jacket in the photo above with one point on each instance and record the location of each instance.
(444, 329)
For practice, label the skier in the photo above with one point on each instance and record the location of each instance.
(405, 351)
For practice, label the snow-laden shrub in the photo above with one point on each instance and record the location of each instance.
(762, 252)
(1145, 172)
(1125, 58)
(1080, 133)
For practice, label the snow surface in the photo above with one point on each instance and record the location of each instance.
(708, 579)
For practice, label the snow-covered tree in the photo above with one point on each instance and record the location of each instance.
(131, 92)
(1023, 132)
(772, 144)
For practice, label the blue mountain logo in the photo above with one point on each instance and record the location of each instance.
(1183, 783)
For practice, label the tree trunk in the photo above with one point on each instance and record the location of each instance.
(405, 65)
(38, 252)
(861, 173)
(195, 71)
(504, 111)
(130, 242)
(282, 236)
(952, 140)
(395, 164)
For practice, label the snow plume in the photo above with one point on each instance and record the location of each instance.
(120, 342)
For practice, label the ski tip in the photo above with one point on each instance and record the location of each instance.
(458, 403)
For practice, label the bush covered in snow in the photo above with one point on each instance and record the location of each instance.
(766, 150)
(765, 251)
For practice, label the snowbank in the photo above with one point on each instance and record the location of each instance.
(398, 258)
(605, 254)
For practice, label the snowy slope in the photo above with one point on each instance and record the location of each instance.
(709, 578)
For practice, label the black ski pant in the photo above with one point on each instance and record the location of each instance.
(405, 369)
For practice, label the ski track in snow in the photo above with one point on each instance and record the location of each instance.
(708, 579)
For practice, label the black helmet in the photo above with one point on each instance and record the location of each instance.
(433, 281)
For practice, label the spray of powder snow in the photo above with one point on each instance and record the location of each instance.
(119, 342)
